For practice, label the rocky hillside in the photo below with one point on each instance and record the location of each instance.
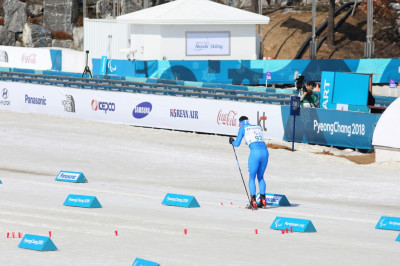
(53, 23)
(59, 23)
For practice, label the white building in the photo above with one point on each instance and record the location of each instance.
(179, 30)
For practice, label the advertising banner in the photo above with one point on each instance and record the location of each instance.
(318, 126)
(179, 113)
(26, 58)
(331, 127)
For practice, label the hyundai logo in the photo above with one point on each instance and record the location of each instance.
(4, 93)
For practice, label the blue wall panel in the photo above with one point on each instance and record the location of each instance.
(250, 72)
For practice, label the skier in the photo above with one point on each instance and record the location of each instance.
(258, 158)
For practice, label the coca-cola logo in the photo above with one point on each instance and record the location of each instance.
(227, 119)
(261, 119)
(28, 59)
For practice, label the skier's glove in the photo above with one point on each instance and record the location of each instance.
(231, 140)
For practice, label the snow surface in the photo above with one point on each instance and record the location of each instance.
(131, 169)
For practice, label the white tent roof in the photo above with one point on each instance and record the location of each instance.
(387, 130)
(194, 12)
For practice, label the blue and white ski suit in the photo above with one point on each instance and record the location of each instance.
(258, 158)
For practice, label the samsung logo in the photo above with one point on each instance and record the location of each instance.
(142, 110)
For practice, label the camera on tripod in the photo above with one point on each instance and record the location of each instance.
(299, 83)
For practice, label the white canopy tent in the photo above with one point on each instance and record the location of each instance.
(194, 30)
(386, 139)
(193, 12)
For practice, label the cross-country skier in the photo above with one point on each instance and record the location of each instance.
(258, 158)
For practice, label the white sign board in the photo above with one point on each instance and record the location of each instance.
(26, 58)
(208, 43)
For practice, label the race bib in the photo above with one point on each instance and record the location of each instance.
(253, 134)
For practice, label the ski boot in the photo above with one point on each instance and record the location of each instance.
(253, 203)
(263, 202)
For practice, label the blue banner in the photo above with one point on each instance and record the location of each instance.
(331, 127)
(103, 65)
(250, 72)
(56, 60)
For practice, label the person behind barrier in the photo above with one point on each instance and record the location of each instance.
(307, 96)
(258, 158)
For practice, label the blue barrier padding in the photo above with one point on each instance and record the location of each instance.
(63, 74)
(1, 182)
(103, 66)
(23, 70)
(56, 59)
(330, 127)
(68, 176)
(180, 201)
(297, 225)
(82, 201)
(388, 223)
(142, 262)
(398, 238)
(35, 242)
(274, 199)
(384, 101)
(250, 72)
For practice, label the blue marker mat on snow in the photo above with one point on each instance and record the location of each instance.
(35, 242)
(82, 201)
(142, 262)
(388, 223)
(180, 201)
(68, 176)
(274, 199)
(297, 225)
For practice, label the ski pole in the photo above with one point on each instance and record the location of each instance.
(247, 194)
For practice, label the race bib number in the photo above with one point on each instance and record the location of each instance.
(253, 134)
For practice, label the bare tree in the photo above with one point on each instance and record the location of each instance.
(254, 6)
(331, 24)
